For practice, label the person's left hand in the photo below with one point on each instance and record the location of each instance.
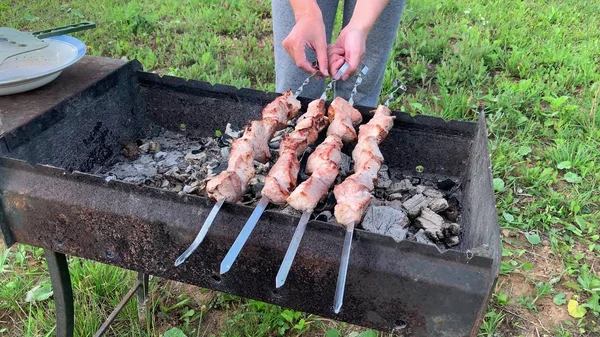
(350, 47)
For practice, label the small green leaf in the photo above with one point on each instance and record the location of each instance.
(527, 266)
(189, 313)
(524, 150)
(593, 303)
(572, 177)
(533, 238)
(575, 310)
(508, 217)
(40, 293)
(174, 332)
(498, 184)
(333, 333)
(368, 333)
(559, 299)
(182, 126)
(218, 133)
(564, 165)
(30, 17)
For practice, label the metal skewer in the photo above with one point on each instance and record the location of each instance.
(244, 235)
(341, 281)
(284, 269)
(205, 227)
(345, 259)
(215, 210)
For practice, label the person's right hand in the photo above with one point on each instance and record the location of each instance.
(308, 31)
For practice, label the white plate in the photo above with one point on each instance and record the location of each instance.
(39, 67)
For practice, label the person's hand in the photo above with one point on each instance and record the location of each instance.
(308, 31)
(350, 47)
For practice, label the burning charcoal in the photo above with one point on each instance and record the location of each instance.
(395, 196)
(431, 223)
(324, 216)
(383, 178)
(233, 131)
(420, 189)
(451, 213)
(199, 158)
(150, 147)
(432, 193)
(387, 221)
(345, 166)
(438, 205)
(160, 155)
(452, 241)
(414, 205)
(131, 151)
(446, 185)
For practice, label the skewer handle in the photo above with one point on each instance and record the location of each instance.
(241, 239)
(202, 234)
(291, 251)
(307, 80)
(341, 282)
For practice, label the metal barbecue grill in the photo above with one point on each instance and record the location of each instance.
(53, 139)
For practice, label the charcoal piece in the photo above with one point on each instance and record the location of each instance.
(225, 141)
(379, 193)
(421, 237)
(394, 203)
(420, 189)
(225, 152)
(160, 155)
(401, 186)
(262, 168)
(345, 165)
(383, 178)
(415, 180)
(256, 189)
(395, 196)
(432, 193)
(199, 158)
(324, 216)
(131, 151)
(446, 185)
(450, 229)
(289, 210)
(432, 224)
(327, 204)
(451, 213)
(150, 147)
(387, 221)
(275, 142)
(171, 159)
(437, 204)
(233, 131)
(215, 167)
(452, 241)
(414, 205)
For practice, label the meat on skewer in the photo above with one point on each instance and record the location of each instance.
(283, 175)
(231, 184)
(324, 163)
(353, 195)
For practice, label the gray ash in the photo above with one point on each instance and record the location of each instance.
(412, 208)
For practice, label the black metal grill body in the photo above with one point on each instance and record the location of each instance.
(48, 200)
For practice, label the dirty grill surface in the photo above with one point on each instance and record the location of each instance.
(75, 202)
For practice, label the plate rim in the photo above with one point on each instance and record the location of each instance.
(79, 46)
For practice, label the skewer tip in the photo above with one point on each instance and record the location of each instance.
(279, 282)
(224, 268)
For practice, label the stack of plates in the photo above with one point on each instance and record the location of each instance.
(39, 67)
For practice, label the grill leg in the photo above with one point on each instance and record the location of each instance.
(63, 292)
(142, 293)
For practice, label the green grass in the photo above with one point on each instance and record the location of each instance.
(533, 67)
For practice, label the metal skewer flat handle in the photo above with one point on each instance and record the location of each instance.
(241, 239)
(205, 227)
(398, 86)
(307, 80)
(291, 251)
(341, 281)
(363, 72)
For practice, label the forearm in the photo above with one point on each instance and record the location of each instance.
(366, 13)
(304, 8)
